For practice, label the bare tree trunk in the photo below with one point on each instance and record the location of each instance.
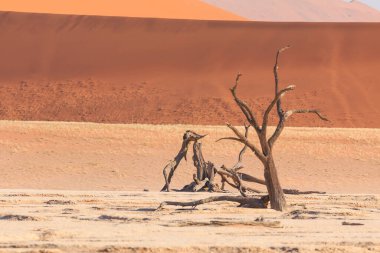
(199, 161)
(276, 194)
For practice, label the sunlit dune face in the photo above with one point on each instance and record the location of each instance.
(178, 9)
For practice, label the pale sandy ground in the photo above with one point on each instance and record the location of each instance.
(87, 156)
(56, 221)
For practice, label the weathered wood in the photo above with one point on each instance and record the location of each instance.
(243, 106)
(236, 180)
(243, 201)
(239, 164)
(194, 186)
(242, 139)
(248, 178)
(188, 137)
(276, 194)
(298, 192)
(204, 178)
(199, 161)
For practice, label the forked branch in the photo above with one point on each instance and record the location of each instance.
(242, 139)
(286, 115)
(239, 164)
(244, 107)
(281, 114)
(274, 101)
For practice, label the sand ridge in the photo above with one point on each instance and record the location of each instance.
(176, 9)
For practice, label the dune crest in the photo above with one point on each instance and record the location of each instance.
(176, 9)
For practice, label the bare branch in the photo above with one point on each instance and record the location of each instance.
(225, 178)
(289, 113)
(243, 106)
(277, 132)
(249, 178)
(241, 138)
(280, 112)
(239, 184)
(298, 192)
(230, 138)
(237, 178)
(274, 101)
(239, 164)
(276, 79)
(286, 115)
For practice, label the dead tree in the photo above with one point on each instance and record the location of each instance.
(188, 137)
(264, 154)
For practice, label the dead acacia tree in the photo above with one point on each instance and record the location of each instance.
(265, 154)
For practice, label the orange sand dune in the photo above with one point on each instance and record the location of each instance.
(139, 70)
(179, 9)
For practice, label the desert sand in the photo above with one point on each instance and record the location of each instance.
(87, 156)
(161, 71)
(70, 221)
(300, 11)
(176, 9)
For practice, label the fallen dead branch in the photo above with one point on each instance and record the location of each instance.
(251, 202)
(226, 223)
(298, 192)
